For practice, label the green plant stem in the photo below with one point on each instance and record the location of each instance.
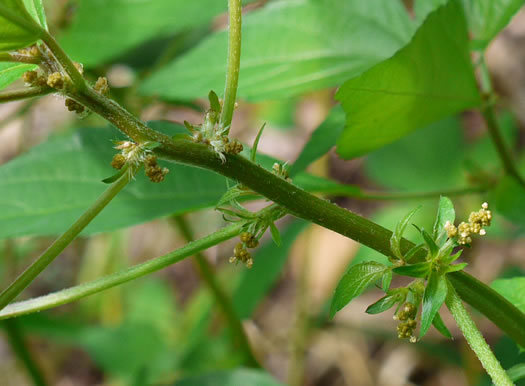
(504, 152)
(491, 304)
(223, 301)
(67, 64)
(19, 347)
(475, 340)
(74, 293)
(18, 58)
(234, 62)
(24, 93)
(62, 242)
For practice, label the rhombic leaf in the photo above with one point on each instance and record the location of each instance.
(290, 47)
(429, 79)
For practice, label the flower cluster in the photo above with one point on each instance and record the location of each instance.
(476, 222)
(134, 155)
(408, 323)
(240, 252)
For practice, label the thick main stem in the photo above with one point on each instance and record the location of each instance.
(475, 340)
(78, 292)
(223, 301)
(234, 62)
(62, 242)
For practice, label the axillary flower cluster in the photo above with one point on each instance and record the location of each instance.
(476, 222)
(134, 155)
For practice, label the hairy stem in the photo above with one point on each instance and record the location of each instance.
(223, 301)
(64, 60)
(24, 93)
(234, 62)
(19, 348)
(475, 340)
(504, 152)
(74, 293)
(62, 242)
(18, 58)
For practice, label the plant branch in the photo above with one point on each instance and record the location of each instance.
(223, 302)
(475, 340)
(234, 62)
(78, 292)
(502, 149)
(491, 304)
(24, 93)
(67, 64)
(19, 347)
(18, 58)
(62, 242)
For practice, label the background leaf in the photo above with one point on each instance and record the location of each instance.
(354, 282)
(9, 72)
(417, 162)
(445, 213)
(291, 47)
(104, 29)
(512, 289)
(429, 79)
(321, 141)
(46, 189)
(14, 36)
(508, 199)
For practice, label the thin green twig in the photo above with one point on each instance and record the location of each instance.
(62, 242)
(475, 340)
(234, 62)
(80, 291)
(223, 301)
(24, 93)
(18, 58)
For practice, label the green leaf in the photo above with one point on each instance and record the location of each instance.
(395, 240)
(46, 189)
(354, 282)
(383, 304)
(453, 257)
(105, 29)
(36, 10)
(423, 166)
(456, 267)
(517, 372)
(429, 79)
(440, 326)
(253, 154)
(430, 243)
(230, 378)
(387, 280)
(413, 251)
(445, 213)
(512, 289)
(268, 264)
(9, 72)
(215, 105)
(14, 35)
(289, 48)
(321, 141)
(276, 235)
(507, 198)
(414, 270)
(486, 18)
(435, 294)
(116, 176)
